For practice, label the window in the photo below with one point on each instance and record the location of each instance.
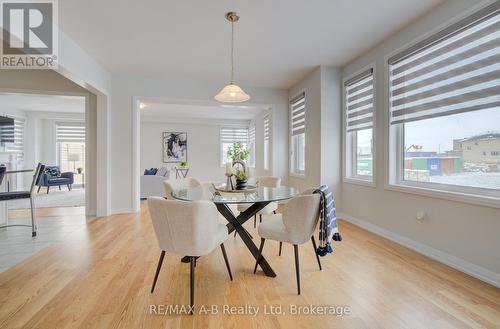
(230, 135)
(70, 139)
(445, 108)
(358, 123)
(298, 134)
(17, 147)
(267, 133)
(251, 146)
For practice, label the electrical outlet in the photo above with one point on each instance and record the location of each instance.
(421, 216)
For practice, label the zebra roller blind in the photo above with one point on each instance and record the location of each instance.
(298, 114)
(359, 101)
(234, 134)
(17, 136)
(251, 134)
(267, 128)
(70, 132)
(455, 71)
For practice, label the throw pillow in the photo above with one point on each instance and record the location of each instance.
(149, 172)
(162, 171)
(53, 171)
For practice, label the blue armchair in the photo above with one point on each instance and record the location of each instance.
(48, 178)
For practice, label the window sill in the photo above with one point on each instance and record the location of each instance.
(297, 175)
(360, 181)
(463, 197)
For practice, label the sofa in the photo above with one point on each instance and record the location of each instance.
(152, 182)
(52, 176)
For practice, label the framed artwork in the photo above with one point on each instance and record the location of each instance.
(174, 147)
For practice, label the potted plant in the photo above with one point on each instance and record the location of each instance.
(79, 170)
(183, 164)
(238, 151)
(241, 179)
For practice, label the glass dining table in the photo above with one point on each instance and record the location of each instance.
(257, 198)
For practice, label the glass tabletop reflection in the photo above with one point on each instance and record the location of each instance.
(260, 194)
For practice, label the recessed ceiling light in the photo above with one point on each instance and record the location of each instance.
(142, 105)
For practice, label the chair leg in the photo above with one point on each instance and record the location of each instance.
(281, 245)
(297, 270)
(226, 260)
(193, 261)
(260, 218)
(69, 187)
(274, 212)
(158, 268)
(33, 225)
(48, 188)
(315, 248)
(255, 221)
(262, 240)
(39, 187)
(59, 187)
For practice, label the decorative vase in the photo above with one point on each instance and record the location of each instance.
(241, 184)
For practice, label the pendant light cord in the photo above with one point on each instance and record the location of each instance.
(232, 51)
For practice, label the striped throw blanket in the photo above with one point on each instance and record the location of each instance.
(328, 228)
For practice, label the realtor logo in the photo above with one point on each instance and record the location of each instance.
(29, 34)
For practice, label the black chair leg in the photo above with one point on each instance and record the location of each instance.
(262, 240)
(158, 268)
(260, 218)
(33, 225)
(315, 248)
(297, 270)
(48, 188)
(255, 221)
(69, 187)
(39, 187)
(59, 187)
(274, 212)
(226, 260)
(281, 245)
(193, 261)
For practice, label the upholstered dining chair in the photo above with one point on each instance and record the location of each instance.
(187, 228)
(266, 181)
(175, 184)
(295, 225)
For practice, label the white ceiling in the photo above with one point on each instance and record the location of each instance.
(43, 103)
(277, 42)
(199, 111)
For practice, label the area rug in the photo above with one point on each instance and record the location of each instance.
(55, 198)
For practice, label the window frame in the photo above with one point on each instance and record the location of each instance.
(266, 141)
(221, 148)
(291, 165)
(394, 143)
(349, 140)
(253, 142)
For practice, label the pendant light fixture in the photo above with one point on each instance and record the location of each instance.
(232, 93)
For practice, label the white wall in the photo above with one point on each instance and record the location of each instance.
(323, 130)
(203, 147)
(463, 235)
(125, 88)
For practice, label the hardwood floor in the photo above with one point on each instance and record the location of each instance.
(100, 277)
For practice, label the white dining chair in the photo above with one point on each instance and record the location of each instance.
(266, 181)
(187, 228)
(176, 184)
(295, 225)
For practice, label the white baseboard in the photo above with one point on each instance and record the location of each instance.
(476, 271)
(122, 211)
